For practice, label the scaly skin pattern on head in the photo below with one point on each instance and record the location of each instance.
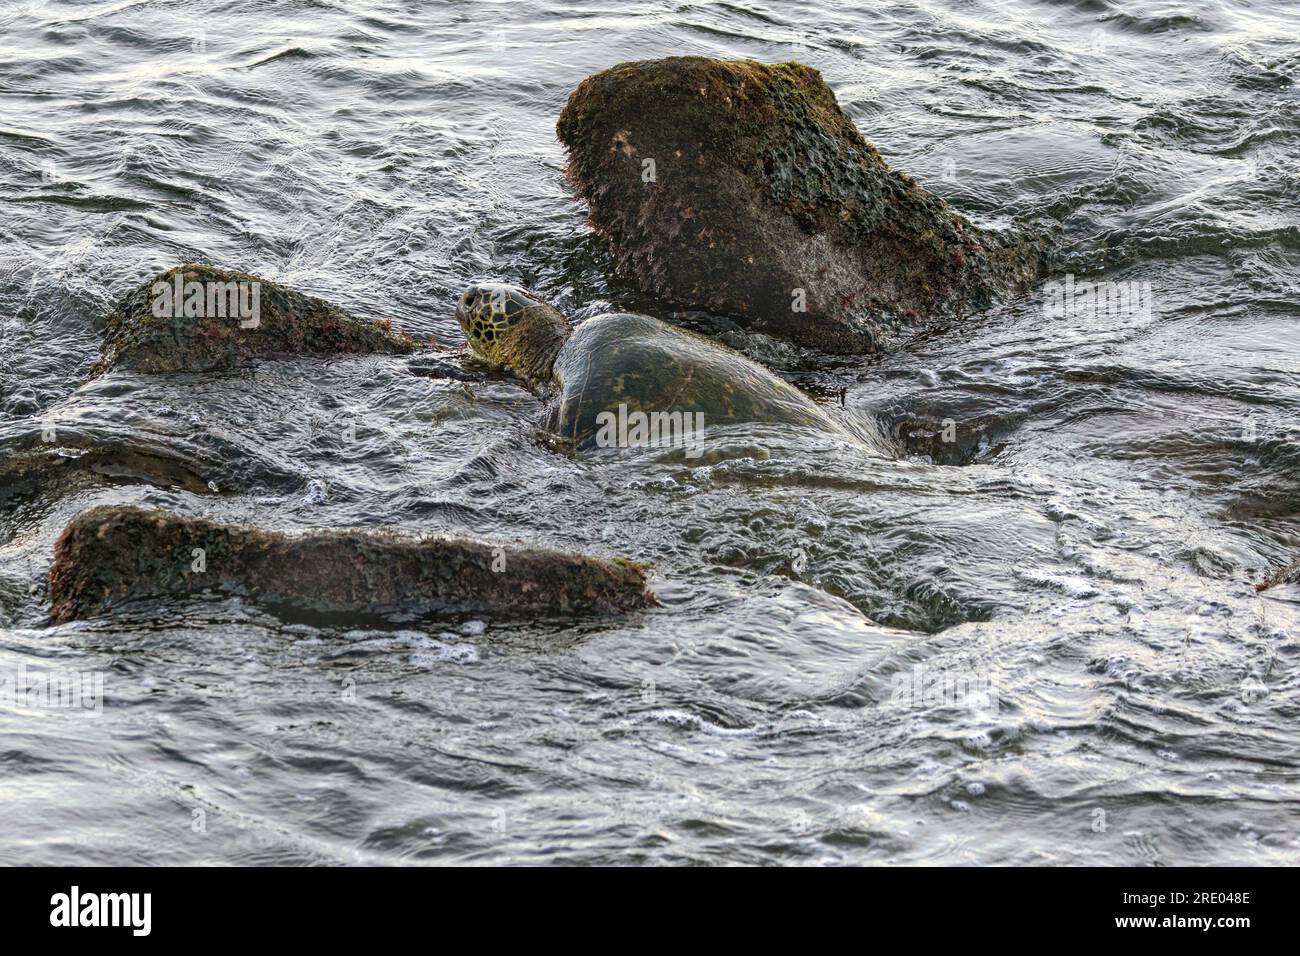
(513, 328)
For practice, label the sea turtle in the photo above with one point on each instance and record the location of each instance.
(625, 379)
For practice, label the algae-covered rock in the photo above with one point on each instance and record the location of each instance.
(743, 189)
(113, 554)
(198, 318)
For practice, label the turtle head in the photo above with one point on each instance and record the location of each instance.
(513, 328)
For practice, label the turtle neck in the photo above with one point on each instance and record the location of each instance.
(545, 330)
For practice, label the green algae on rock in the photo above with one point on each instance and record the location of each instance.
(743, 188)
(113, 554)
(198, 318)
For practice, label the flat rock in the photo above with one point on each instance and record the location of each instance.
(198, 318)
(743, 189)
(110, 555)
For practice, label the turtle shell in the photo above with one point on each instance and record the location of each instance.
(643, 365)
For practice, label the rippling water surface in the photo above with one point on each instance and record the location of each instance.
(1036, 643)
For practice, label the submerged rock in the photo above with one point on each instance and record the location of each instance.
(34, 470)
(198, 318)
(743, 189)
(113, 554)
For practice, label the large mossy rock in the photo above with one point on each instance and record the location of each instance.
(138, 338)
(743, 189)
(113, 554)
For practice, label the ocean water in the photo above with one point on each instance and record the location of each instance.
(1037, 643)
